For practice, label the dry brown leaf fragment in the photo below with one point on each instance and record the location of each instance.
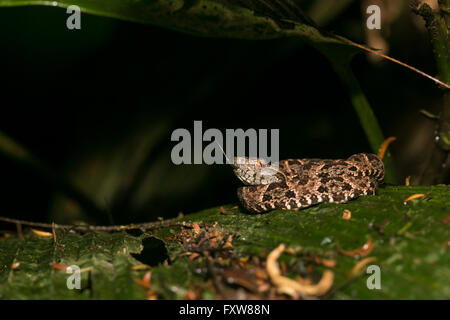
(360, 252)
(224, 212)
(15, 265)
(414, 196)
(228, 244)
(243, 262)
(291, 287)
(58, 266)
(347, 214)
(384, 146)
(145, 281)
(243, 259)
(42, 233)
(190, 295)
(213, 242)
(260, 274)
(263, 287)
(193, 256)
(361, 264)
(151, 295)
(329, 263)
(196, 227)
(141, 266)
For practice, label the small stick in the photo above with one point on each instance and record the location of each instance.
(439, 82)
(429, 115)
(384, 146)
(53, 226)
(54, 232)
(19, 229)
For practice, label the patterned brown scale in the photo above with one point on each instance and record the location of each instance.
(300, 183)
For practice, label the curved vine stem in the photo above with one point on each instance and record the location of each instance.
(439, 82)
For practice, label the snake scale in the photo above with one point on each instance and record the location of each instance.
(300, 183)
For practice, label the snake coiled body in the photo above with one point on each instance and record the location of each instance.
(300, 183)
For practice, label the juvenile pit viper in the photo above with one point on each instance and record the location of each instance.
(300, 183)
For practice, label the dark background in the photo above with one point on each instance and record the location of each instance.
(98, 106)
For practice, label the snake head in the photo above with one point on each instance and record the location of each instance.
(256, 171)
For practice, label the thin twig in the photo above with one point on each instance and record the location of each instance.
(428, 114)
(445, 85)
(142, 226)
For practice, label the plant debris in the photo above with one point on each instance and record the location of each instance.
(414, 196)
(42, 233)
(365, 250)
(290, 287)
(384, 146)
(347, 214)
(361, 264)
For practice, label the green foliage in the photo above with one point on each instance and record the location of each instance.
(225, 18)
(410, 240)
(410, 244)
(105, 258)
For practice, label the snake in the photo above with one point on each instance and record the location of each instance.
(295, 184)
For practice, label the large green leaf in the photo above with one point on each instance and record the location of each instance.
(410, 244)
(105, 257)
(215, 18)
